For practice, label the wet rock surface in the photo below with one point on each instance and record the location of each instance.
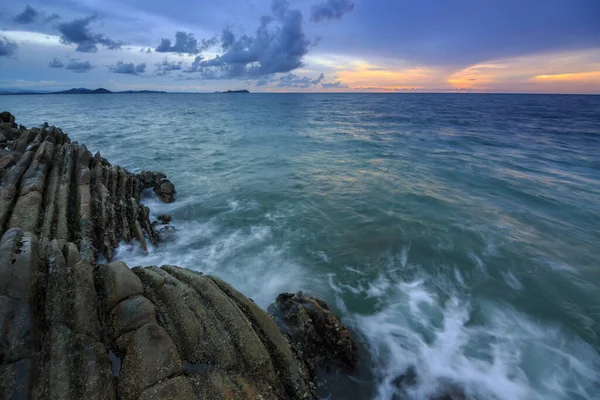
(159, 183)
(72, 327)
(316, 334)
(56, 189)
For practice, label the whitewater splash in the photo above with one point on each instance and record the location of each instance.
(427, 337)
(243, 256)
(426, 341)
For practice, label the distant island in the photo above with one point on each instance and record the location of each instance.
(81, 91)
(236, 91)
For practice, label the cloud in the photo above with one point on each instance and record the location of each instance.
(73, 65)
(51, 17)
(334, 85)
(227, 39)
(279, 8)
(7, 47)
(128, 68)
(295, 81)
(79, 66)
(56, 63)
(185, 43)
(331, 9)
(78, 32)
(28, 15)
(274, 49)
(165, 67)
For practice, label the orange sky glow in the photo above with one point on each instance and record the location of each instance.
(568, 72)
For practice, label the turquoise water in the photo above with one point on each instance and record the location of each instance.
(458, 235)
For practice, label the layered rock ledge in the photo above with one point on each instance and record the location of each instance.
(72, 327)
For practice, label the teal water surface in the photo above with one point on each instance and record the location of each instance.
(458, 235)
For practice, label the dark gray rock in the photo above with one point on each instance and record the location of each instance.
(164, 218)
(165, 190)
(316, 334)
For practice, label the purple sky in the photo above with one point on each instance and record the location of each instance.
(303, 45)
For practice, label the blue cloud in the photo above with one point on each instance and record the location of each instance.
(279, 8)
(128, 68)
(331, 9)
(334, 85)
(28, 15)
(8, 48)
(56, 63)
(295, 81)
(75, 65)
(166, 67)
(276, 48)
(78, 32)
(185, 43)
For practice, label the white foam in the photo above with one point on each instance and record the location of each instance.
(244, 257)
(492, 353)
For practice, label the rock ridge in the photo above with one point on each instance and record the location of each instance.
(74, 323)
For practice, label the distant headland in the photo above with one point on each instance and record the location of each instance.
(236, 91)
(81, 91)
(95, 91)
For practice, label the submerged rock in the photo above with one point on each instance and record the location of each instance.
(164, 218)
(72, 328)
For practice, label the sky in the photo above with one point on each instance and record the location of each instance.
(504, 46)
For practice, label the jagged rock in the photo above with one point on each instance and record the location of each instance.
(165, 190)
(56, 189)
(164, 218)
(72, 328)
(318, 337)
(149, 179)
(6, 117)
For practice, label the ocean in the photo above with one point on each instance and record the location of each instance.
(458, 235)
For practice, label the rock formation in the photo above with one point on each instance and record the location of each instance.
(317, 336)
(74, 328)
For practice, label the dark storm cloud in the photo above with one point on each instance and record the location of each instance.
(276, 48)
(185, 43)
(79, 66)
(463, 32)
(28, 15)
(165, 67)
(78, 32)
(128, 68)
(331, 9)
(56, 63)
(295, 81)
(7, 47)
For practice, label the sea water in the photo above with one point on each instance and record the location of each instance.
(458, 235)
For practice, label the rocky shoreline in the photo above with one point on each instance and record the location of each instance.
(74, 323)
